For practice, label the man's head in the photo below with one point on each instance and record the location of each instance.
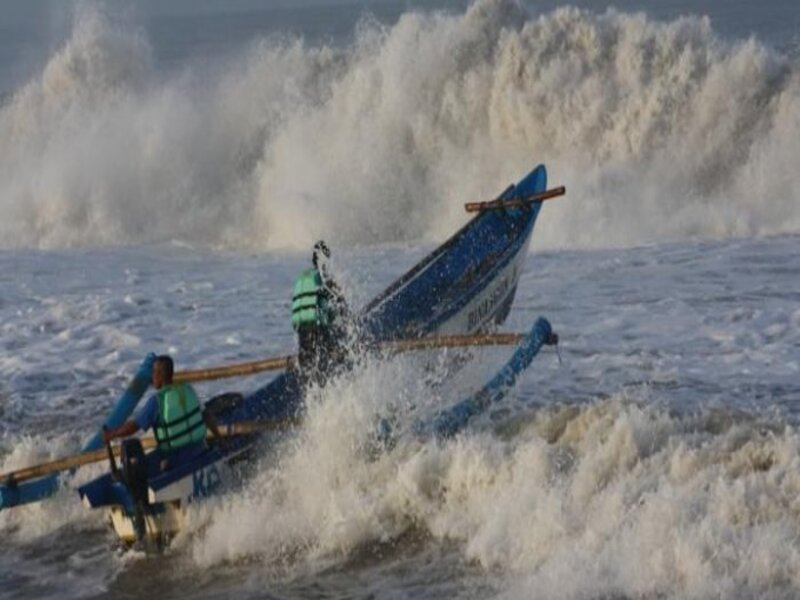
(163, 369)
(320, 255)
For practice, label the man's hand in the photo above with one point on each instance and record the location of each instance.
(124, 430)
(108, 435)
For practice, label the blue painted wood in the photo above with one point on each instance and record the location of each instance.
(451, 421)
(430, 294)
(418, 303)
(39, 489)
(458, 270)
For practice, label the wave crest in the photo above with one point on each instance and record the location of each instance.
(659, 130)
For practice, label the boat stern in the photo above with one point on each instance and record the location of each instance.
(158, 525)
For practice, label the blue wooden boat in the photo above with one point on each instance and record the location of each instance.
(465, 285)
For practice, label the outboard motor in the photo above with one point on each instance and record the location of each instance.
(134, 469)
(134, 475)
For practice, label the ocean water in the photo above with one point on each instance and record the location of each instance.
(164, 171)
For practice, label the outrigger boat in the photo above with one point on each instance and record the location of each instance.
(464, 286)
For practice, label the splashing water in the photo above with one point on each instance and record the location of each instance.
(660, 461)
(660, 130)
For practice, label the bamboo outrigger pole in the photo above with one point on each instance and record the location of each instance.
(237, 370)
(249, 368)
(515, 202)
(453, 341)
(284, 362)
(86, 458)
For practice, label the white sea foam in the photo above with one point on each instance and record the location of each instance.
(324, 493)
(33, 521)
(645, 466)
(616, 497)
(660, 130)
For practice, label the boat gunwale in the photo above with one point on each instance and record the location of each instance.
(523, 219)
(429, 260)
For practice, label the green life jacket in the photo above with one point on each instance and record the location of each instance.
(180, 420)
(310, 305)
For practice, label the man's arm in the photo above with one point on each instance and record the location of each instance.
(335, 295)
(212, 424)
(144, 420)
(124, 430)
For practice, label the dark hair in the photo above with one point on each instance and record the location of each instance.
(168, 365)
(320, 247)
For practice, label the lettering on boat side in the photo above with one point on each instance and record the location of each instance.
(486, 306)
(206, 481)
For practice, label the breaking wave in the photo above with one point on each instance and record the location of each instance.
(616, 498)
(32, 522)
(660, 130)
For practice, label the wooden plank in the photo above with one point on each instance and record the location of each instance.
(516, 202)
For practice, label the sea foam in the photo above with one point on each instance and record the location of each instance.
(660, 130)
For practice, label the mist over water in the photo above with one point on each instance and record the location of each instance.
(660, 130)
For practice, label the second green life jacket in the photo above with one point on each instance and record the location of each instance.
(310, 305)
(180, 419)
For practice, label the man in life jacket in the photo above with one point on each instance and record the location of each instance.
(319, 316)
(175, 415)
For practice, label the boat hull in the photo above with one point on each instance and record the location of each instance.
(160, 527)
(466, 285)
